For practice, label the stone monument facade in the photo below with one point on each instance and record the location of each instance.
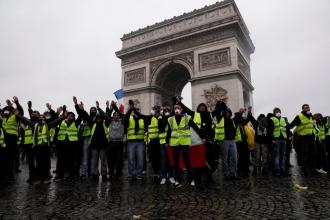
(209, 47)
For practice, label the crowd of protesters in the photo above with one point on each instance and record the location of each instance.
(92, 145)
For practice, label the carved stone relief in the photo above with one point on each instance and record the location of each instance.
(212, 94)
(135, 76)
(214, 59)
(243, 65)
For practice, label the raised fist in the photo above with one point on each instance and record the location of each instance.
(75, 100)
(29, 104)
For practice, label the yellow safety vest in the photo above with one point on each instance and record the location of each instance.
(198, 119)
(238, 136)
(279, 127)
(2, 138)
(52, 133)
(86, 130)
(106, 132)
(328, 126)
(28, 138)
(42, 135)
(131, 130)
(319, 133)
(10, 125)
(220, 130)
(180, 134)
(71, 132)
(162, 135)
(153, 131)
(305, 127)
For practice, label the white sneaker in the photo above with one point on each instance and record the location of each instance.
(176, 183)
(192, 183)
(163, 181)
(172, 180)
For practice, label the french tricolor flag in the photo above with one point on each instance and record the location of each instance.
(120, 99)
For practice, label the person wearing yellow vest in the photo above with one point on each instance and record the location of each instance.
(178, 138)
(305, 148)
(225, 132)
(166, 173)
(319, 131)
(10, 120)
(67, 140)
(88, 121)
(154, 143)
(326, 122)
(203, 119)
(136, 128)
(277, 129)
(3, 158)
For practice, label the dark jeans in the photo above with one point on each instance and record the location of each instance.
(287, 153)
(10, 150)
(321, 161)
(31, 157)
(327, 147)
(306, 153)
(66, 156)
(115, 153)
(154, 147)
(243, 162)
(42, 153)
(177, 151)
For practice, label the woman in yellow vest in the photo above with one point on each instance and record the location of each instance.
(319, 131)
(178, 138)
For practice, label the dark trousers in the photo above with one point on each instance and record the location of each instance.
(115, 154)
(66, 158)
(243, 157)
(154, 148)
(287, 153)
(31, 159)
(327, 147)
(10, 150)
(42, 153)
(321, 159)
(306, 153)
(184, 151)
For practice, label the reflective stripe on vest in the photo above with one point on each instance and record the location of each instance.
(305, 127)
(180, 134)
(131, 130)
(2, 138)
(71, 132)
(238, 136)
(153, 131)
(52, 133)
(319, 133)
(279, 127)
(28, 139)
(10, 125)
(106, 132)
(42, 135)
(198, 119)
(220, 130)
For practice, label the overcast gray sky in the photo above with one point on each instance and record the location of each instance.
(51, 50)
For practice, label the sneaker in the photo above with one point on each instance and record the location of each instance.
(46, 181)
(139, 178)
(172, 180)
(163, 181)
(321, 171)
(177, 184)
(192, 183)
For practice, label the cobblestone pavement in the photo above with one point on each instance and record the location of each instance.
(250, 198)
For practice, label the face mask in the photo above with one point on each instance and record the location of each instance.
(177, 111)
(167, 113)
(244, 115)
(152, 112)
(308, 112)
(278, 114)
(314, 122)
(161, 112)
(6, 112)
(48, 117)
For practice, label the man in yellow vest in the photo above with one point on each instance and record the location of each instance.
(305, 140)
(10, 120)
(277, 129)
(178, 138)
(67, 141)
(136, 129)
(319, 131)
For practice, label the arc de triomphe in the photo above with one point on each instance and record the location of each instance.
(209, 47)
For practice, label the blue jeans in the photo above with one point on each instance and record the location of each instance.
(229, 157)
(279, 156)
(135, 153)
(85, 167)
